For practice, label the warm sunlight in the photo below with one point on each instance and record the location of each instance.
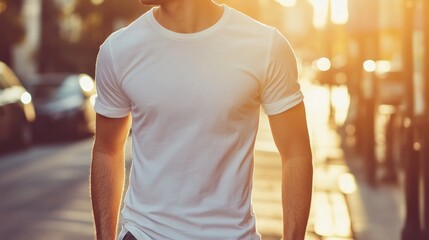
(320, 12)
(287, 3)
(97, 2)
(369, 65)
(347, 183)
(323, 64)
(331, 215)
(339, 12)
(197, 87)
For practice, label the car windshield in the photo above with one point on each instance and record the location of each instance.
(69, 86)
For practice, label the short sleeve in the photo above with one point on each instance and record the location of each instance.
(110, 101)
(281, 90)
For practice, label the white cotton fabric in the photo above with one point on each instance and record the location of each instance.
(194, 100)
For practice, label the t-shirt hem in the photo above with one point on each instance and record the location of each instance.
(284, 104)
(109, 111)
(129, 228)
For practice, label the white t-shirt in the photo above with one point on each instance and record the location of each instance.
(194, 100)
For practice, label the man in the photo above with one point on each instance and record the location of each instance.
(191, 75)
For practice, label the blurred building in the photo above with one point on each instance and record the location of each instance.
(416, 75)
(391, 29)
(64, 36)
(396, 32)
(24, 61)
(294, 19)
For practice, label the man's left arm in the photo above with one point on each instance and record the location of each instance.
(290, 133)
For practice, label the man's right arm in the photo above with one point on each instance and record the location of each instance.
(108, 173)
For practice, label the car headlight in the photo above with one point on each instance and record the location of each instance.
(86, 83)
(26, 98)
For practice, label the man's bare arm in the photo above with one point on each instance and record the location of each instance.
(108, 173)
(290, 134)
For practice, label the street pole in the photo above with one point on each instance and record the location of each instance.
(411, 228)
(425, 145)
(371, 48)
(368, 82)
(365, 33)
(329, 40)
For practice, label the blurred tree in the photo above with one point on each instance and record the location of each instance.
(51, 50)
(11, 28)
(99, 19)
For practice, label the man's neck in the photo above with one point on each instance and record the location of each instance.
(188, 16)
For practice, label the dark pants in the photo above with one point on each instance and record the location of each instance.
(129, 236)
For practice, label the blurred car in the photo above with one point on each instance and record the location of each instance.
(64, 104)
(16, 110)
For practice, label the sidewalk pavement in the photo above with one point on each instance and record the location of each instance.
(343, 207)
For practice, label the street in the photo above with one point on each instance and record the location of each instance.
(45, 192)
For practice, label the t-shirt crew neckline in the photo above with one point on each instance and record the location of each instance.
(187, 36)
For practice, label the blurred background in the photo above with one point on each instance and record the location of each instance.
(364, 73)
